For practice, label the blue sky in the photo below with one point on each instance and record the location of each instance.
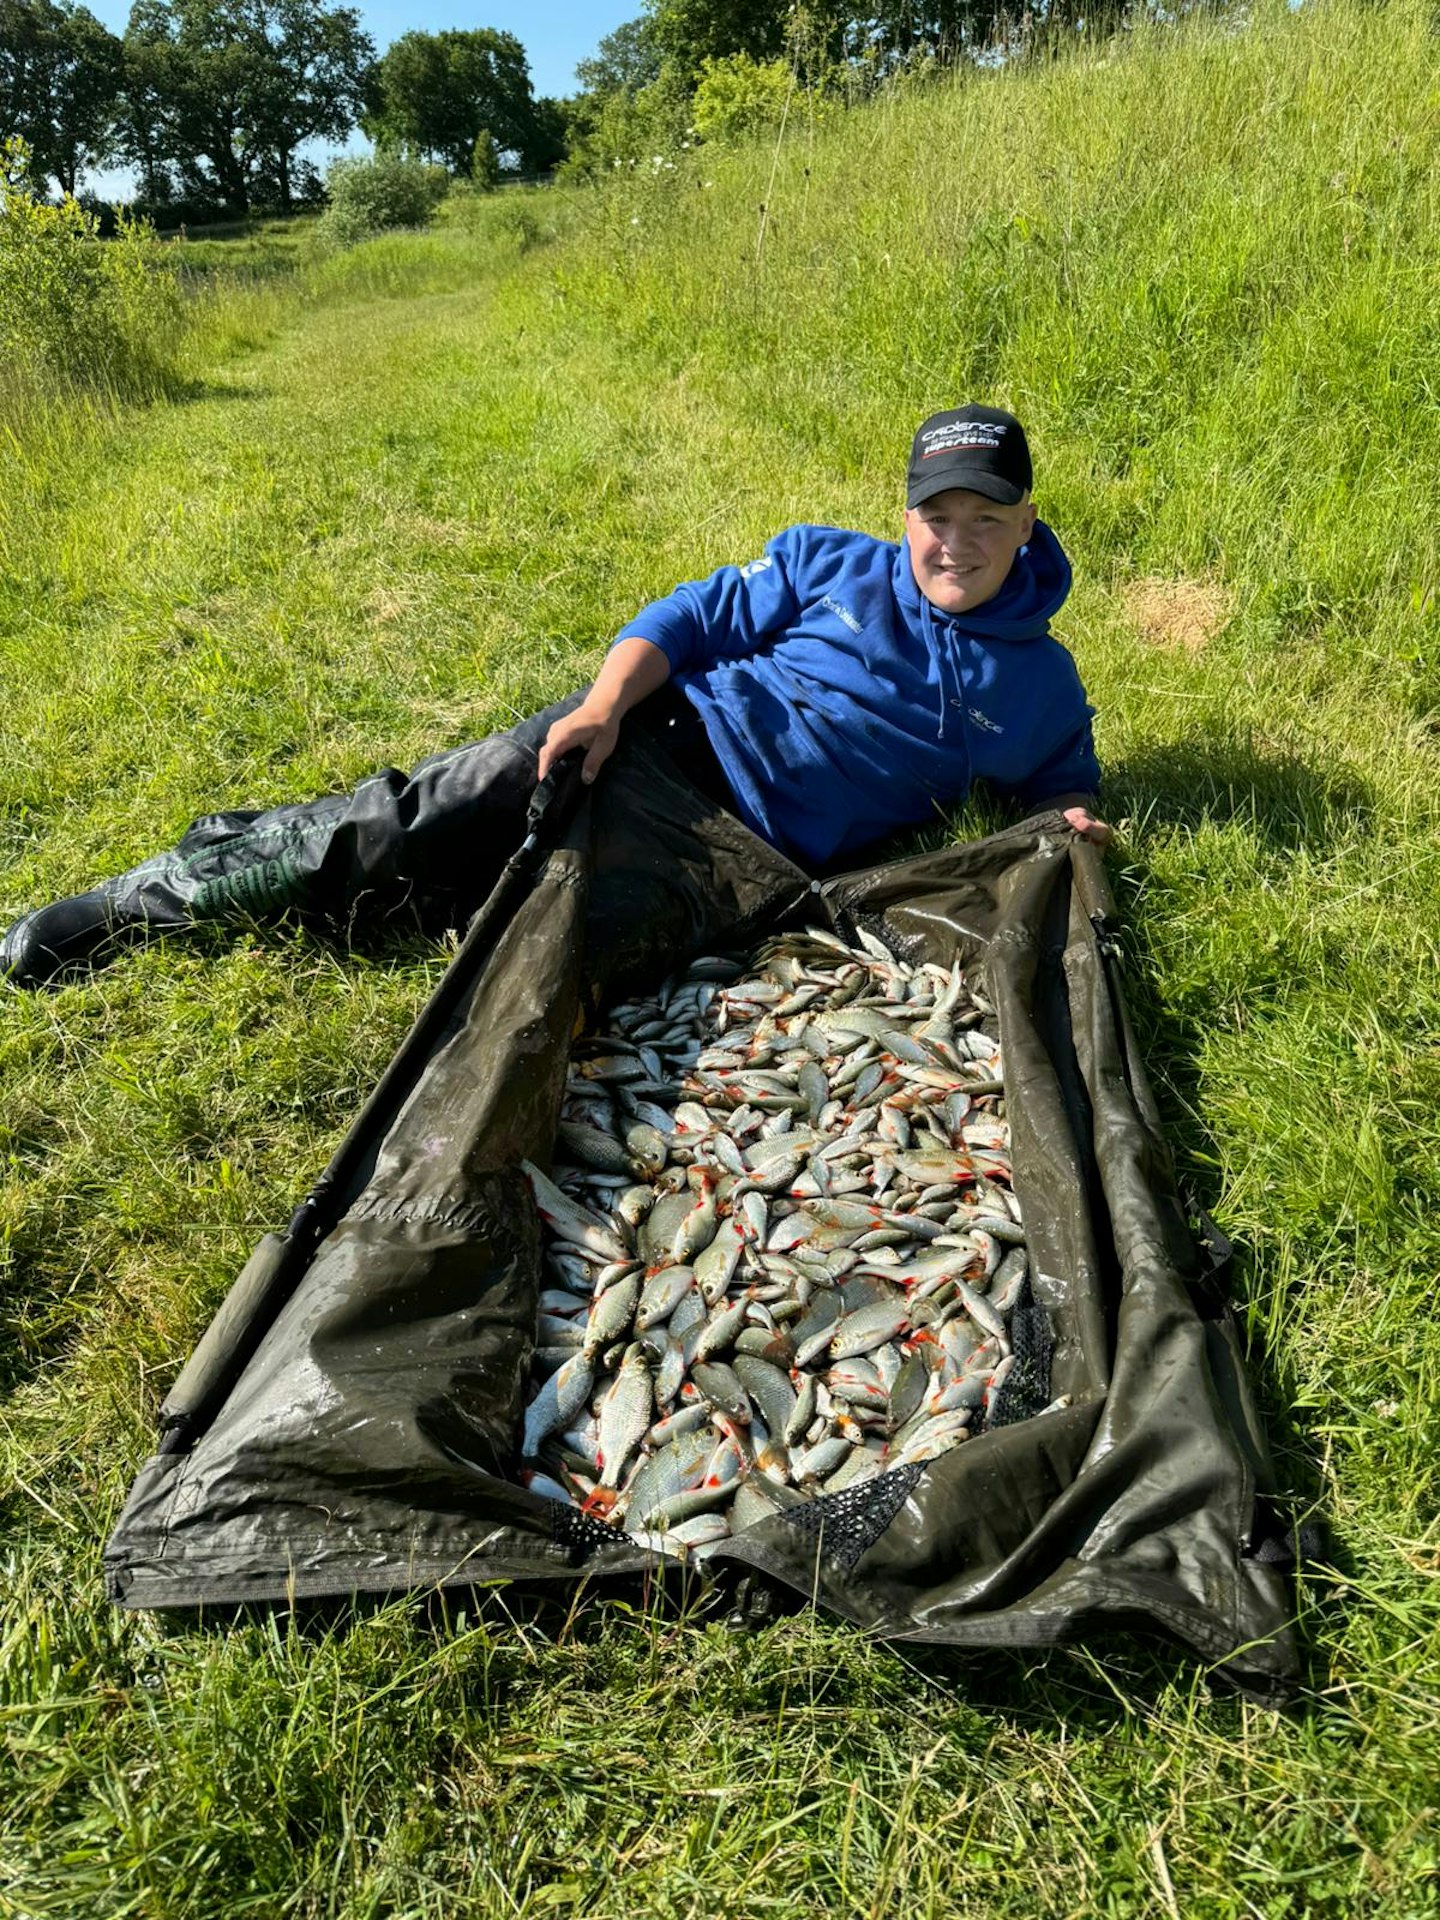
(554, 33)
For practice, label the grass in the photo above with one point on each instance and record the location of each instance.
(411, 493)
(243, 250)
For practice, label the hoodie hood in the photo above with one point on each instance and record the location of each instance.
(1035, 589)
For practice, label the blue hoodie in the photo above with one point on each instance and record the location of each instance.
(842, 705)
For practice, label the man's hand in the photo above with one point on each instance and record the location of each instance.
(595, 733)
(633, 670)
(1088, 827)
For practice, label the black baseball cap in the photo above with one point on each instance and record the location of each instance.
(980, 448)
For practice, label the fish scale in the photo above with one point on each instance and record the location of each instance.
(766, 1107)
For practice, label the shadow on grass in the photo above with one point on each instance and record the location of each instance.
(194, 393)
(698, 1623)
(42, 1307)
(1285, 804)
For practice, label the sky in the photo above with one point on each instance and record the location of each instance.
(554, 33)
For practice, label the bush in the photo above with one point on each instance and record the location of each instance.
(76, 310)
(618, 129)
(517, 217)
(485, 162)
(369, 196)
(738, 96)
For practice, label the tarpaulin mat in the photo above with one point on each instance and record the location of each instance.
(366, 1437)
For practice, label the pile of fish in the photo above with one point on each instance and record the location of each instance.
(782, 1250)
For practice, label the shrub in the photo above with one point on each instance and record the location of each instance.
(519, 217)
(616, 129)
(76, 310)
(485, 162)
(738, 96)
(369, 196)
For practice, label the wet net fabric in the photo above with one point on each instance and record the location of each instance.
(1026, 1389)
(847, 1524)
(369, 1440)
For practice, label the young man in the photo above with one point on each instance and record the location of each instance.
(833, 691)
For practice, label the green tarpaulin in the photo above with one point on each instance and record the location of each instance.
(369, 1443)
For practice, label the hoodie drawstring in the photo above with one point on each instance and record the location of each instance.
(937, 654)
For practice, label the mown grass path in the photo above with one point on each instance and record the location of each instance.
(421, 500)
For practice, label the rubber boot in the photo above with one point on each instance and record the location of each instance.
(90, 928)
(431, 844)
(66, 937)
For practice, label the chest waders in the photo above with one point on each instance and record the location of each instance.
(431, 843)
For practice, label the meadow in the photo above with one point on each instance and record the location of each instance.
(401, 494)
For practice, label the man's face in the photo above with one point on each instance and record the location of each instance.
(962, 546)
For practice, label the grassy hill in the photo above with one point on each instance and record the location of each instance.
(410, 492)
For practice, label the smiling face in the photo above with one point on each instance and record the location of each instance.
(962, 546)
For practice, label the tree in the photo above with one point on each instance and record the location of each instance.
(625, 60)
(690, 32)
(815, 35)
(739, 97)
(224, 92)
(433, 94)
(59, 86)
(549, 139)
(322, 56)
(903, 29)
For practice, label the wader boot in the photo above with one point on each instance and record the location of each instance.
(432, 842)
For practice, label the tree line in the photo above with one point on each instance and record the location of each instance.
(214, 102)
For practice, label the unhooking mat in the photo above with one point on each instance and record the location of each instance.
(369, 1443)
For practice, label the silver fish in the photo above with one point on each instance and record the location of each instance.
(557, 1403)
(625, 1415)
(824, 1148)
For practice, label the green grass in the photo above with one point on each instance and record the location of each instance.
(412, 492)
(244, 249)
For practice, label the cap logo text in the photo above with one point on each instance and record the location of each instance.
(957, 434)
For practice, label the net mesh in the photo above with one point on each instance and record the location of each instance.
(847, 1524)
(1025, 1390)
(578, 1534)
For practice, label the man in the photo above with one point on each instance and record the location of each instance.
(833, 691)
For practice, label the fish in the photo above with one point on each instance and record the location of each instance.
(697, 1227)
(722, 1329)
(611, 1315)
(672, 1469)
(624, 1416)
(722, 1388)
(661, 1294)
(558, 1401)
(783, 1247)
(571, 1222)
(768, 1388)
(871, 1327)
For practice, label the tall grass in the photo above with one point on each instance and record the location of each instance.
(76, 316)
(416, 490)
